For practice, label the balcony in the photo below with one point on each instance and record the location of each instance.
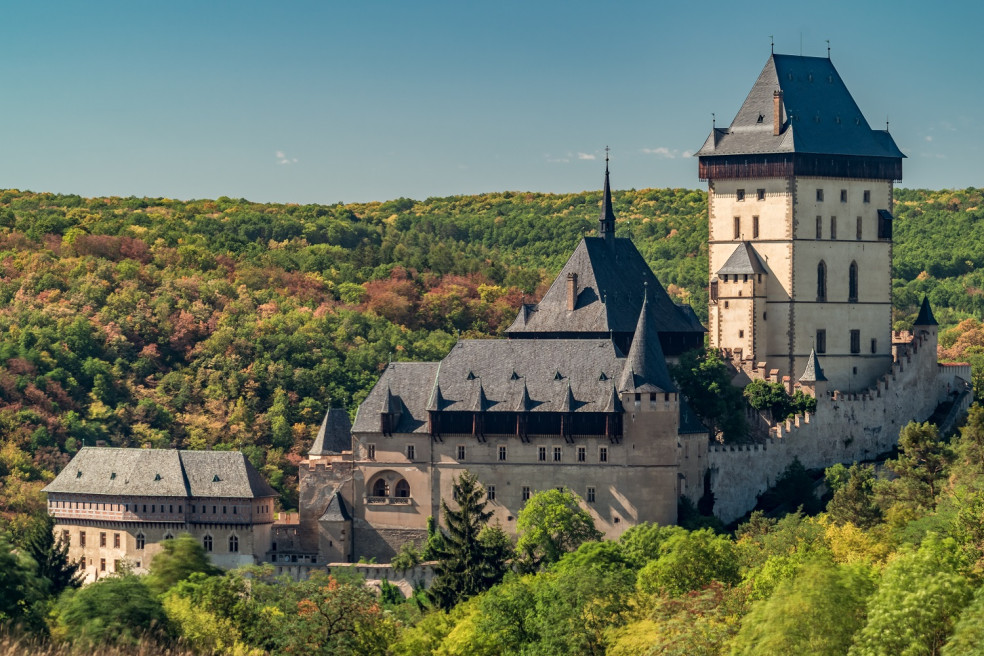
(388, 501)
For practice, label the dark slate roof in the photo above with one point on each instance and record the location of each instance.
(813, 372)
(687, 311)
(606, 220)
(689, 422)
(820, 115)
(611, 274)
(336, 510)
(412, 383)
(743, 260)
(925, 317)
(161, 472)
(335, 434)
(645, 367)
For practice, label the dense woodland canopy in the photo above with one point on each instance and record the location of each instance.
(230, 324)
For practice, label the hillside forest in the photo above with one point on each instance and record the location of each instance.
(227, 324)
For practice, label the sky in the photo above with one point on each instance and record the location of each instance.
(326, 101)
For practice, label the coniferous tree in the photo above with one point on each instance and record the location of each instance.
(51, 556)
(469, 562)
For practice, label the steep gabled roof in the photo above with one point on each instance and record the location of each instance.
(336, 510)
(335, 434)
(411, 383)
(645, 368)
(819, 115)
(813, 372)
(743, 260)
(925, 317)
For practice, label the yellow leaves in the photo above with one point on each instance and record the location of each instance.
(851, 544)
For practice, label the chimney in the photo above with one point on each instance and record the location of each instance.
(776, 112)
(571, 291)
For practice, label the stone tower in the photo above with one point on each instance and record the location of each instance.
(800, 228)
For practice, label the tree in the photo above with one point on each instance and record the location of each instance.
(854, 496)
(642, 542)
(20, 588)
(968, 634)
(689, 561)
(51, 556)
(551, 524)
(406, 558)
(466, 564)
(793, 489)
(763, 395)
(704, 379)
(920, 467)
(178, 559)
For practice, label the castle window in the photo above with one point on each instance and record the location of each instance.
(233, 544)
(81, 538)
(760, 194)
(102, 564)
(603, 454)
(867, 195)
(874, 345)
(821, 345)
(755, 227)
(582, 454)
(116, 540)
(370, 452)
(490, 492)
(819, 195)
(168, 536)
(223, 510)
(843, 195)
(461, 452)
(141, 541)
(726, 305)
(859, 228)
(380, 488)
(102, 539)
(819, 227)
(207, 543)
(526, 493)
(852, 283)
(821, 282)
(740, 195)
(214, 512)
(557, 453)
(66, 538)
(541, 454)
(737, 227)
(403, 489)
(82, 564)
(855, 341)
(591, 495)
(833, 227)
(411, 452)
(502, 453)
(741, 334)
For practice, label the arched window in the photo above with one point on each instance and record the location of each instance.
(380, 488)
(852, 283)
(141, 540)
(403, 489)
(233, 544)
(207, 543)
(168, 536)
(821, 282)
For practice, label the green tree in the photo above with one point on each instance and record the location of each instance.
(920, 467)
(854, 496)
(793, 489)
(551, 524)
(20, 588)
(968, 634)
(763, 395)
(466, 564)
(641, 543)
(689, 561)
(176, 561)
(51, 556)
(704, 380)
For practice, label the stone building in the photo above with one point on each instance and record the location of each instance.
(115, 506)
(800, 216)
(578, 396)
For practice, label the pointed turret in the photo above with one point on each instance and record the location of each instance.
(813, 373)
(335, 434)
(524, 403)
(567, 403)
(391, 404)
(481, 403)
(606, 222)
(436, 403)
(925, 317)
(612, 403)
(645, 367)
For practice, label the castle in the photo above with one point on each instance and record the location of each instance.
(578, 395)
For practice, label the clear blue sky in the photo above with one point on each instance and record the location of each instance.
(304, 101)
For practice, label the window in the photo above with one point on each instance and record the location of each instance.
(852, 283)
(582, 454)
(411, 452)
(66, 537)
(859, 229)
(213, 511)
(168, 536)
(403, 489)
(843, 195)
(490, 492)
(833, 227)
(541, 454)
(81, 538)
(821, 282)
(726, 305)
(380, 488)
(740, 195)
(855, 341)
(741, 334)
(819, 195)
(223, 510)
(821, 341)
(153, 508)
(233, 544)
(502, 453)
(867, 195)
(170, 508)
(526, 493)
(102, 539)
(755, 227)
(207, 543)
(603, 454)
(737, 227)
(116, 540)
(874, 345)
(760, 194)
(102, 564)
(819, 227)
(591, 495)
(141, 541)
(82, 564)
(370, 452)
(461, 453)
(145, 507)
(557, 452)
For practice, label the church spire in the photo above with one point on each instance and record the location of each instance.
(606, 222)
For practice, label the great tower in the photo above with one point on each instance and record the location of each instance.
(800, 228)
